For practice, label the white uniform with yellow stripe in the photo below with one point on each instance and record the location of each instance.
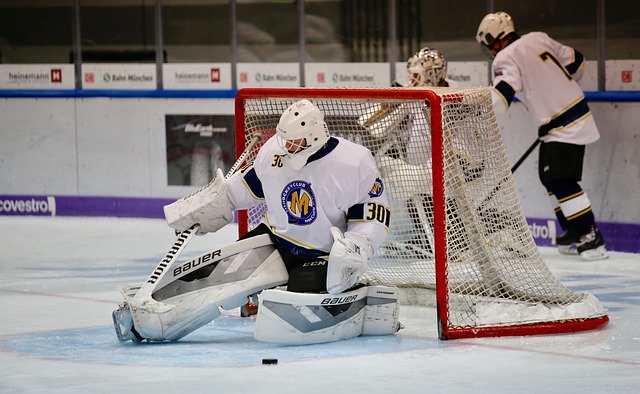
(340, 186)
(531, 68)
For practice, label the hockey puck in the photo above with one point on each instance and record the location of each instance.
(269, 361)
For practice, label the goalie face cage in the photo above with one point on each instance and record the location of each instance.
(456, 223)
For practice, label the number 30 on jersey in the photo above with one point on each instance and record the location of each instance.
(377, 212)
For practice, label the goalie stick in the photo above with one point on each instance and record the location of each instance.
(185, 236)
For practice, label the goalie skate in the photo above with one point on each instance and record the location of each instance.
(123, 323)
(251, 307)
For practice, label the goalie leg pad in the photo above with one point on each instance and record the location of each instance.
(189, 298)
(381, 311)
(301, 318)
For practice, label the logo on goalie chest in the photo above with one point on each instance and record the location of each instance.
(299, 203)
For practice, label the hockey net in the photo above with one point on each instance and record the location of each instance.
(457, 228)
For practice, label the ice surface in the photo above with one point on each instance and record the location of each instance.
(59, 280)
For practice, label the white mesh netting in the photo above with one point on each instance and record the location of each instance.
(494, 271)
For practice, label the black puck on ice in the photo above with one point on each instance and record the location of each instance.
(269, 361)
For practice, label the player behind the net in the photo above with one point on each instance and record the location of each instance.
(544, 74)
(408, 126)
(327, 212)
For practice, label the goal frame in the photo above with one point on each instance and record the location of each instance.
(445, 330)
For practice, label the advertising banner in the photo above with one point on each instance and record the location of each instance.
(37, 76)
(468, 74)
(268, 75)
(334, 75)
(119, 76)
(27, 206)
(196, 76)
(82, 206)
(197, 145)
(623, 74)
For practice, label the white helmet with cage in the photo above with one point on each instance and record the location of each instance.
(301, 132)
(427, 67)
(494, 27)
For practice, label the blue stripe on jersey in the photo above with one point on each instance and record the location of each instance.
(506, 91)
(573, 67)
(254, 183)
(575, 112)
(325, 150)
(355, 212)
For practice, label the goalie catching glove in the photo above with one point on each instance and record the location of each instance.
(209, 207)
(348, 260)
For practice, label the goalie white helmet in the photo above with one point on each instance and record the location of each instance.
(494, 27)
(301, 132)
(427, 67)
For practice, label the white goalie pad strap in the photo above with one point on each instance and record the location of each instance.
(301, 318)
(405, 179)
(210, 207)
(381, 311)
(348, 260)
(192, 292)
(380, 118)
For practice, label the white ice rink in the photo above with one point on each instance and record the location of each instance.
(58, 285)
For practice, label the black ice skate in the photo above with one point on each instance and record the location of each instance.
(567, 243)
(591, 246)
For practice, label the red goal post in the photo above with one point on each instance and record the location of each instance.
(457, 226)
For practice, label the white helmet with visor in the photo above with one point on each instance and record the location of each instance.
(301, 132)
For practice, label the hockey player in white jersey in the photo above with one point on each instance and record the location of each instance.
(543, 73)
(327, 212)
(425, 68)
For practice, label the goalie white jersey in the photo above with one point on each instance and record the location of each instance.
(339, 186)
(535, 63)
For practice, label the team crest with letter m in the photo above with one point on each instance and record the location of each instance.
(377, 188)
(299, 203)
